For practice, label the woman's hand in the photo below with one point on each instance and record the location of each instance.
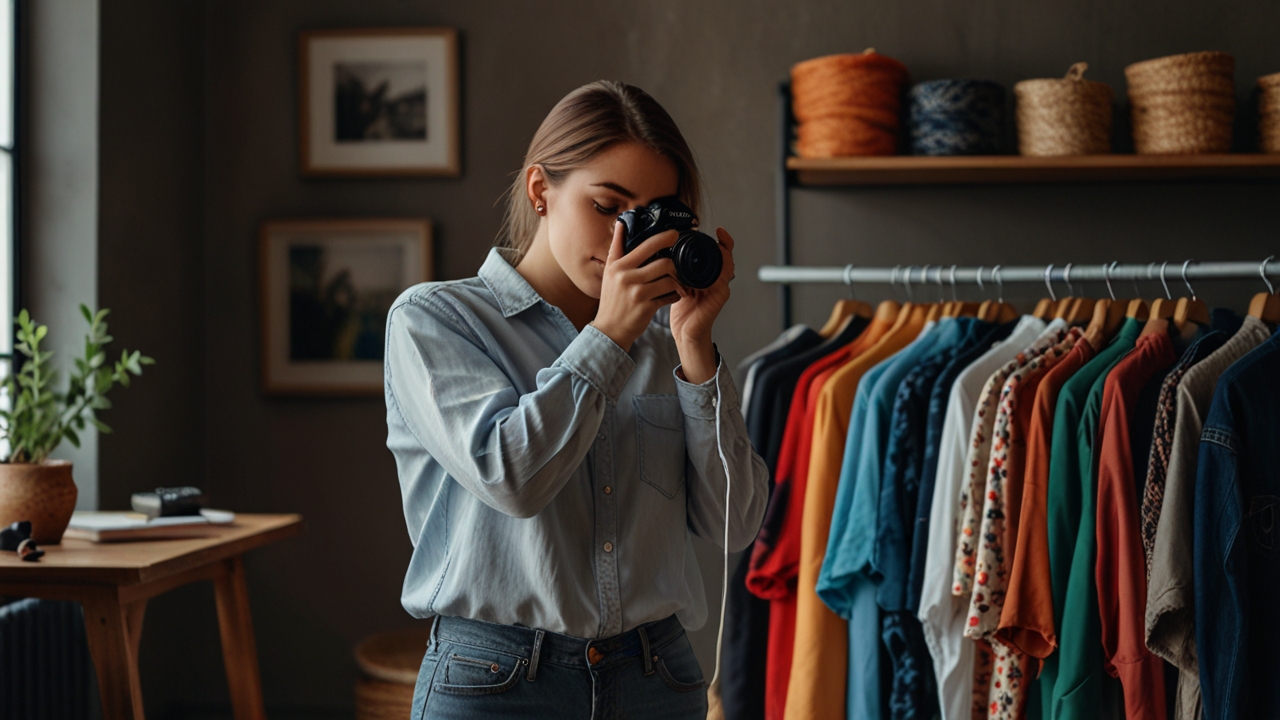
(693, 316)
(631, 294)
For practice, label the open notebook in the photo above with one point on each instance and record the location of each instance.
(116, 526)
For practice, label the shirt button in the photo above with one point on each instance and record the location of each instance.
(608, 547)
(600, 436)
(607, 489)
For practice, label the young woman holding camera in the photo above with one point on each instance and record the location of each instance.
(562, 425)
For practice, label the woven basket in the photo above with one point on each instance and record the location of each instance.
(1071, 116)
(1269, 113)
(848, 104)
(1183, 103)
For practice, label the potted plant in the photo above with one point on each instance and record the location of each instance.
(35, 418)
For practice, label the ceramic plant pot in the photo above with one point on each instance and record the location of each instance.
(45, 494)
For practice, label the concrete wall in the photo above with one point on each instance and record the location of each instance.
(189, 178)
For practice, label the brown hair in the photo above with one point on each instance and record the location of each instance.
(581, 126)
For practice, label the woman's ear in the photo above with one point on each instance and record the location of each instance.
(535, 186)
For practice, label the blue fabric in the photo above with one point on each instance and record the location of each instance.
(475, 669)
(913, 691)
(981, 338)
(549, 478)
(843, 583)
(1237, 541)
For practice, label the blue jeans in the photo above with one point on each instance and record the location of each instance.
(475, 669)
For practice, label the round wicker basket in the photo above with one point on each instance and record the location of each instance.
(848, 104)
(1183, 103)
(1269, 113)
(1071, 116)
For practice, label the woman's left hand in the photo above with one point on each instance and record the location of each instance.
(694, 314)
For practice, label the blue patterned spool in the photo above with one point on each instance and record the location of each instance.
(956, 117)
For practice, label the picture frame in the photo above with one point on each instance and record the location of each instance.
(326, 286)
(379, 102)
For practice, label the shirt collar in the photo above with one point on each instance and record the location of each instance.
(513, 293)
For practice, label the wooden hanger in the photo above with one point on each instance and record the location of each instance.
(1266, 306)
(1163, 308)
(1190, 309)
(995, 311)
(1047, 306)
(845, 310)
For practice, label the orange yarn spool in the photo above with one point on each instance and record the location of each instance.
(848, 104)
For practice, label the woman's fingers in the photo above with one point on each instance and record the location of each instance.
(725, 238)
(615, 245)
(661, 286)
(656, 269)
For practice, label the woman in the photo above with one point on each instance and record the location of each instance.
(554, 423)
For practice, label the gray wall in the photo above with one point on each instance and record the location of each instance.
(199, 145)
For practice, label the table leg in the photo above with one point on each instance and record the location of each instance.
(239, 652)
(107, 624)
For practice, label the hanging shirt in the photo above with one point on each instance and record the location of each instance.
(746, 644)
(776, 556)
(1026, 622)
(762, 358)
(1078, 689)
(941, 614)
(981, 341)
(912, 691)
(820, 674)
(1121, 570)
(1065, 499)
(1170, 622)
(1237, 548)
(578, 469)
(1162, 438)
(1001, 505)
(784, 376)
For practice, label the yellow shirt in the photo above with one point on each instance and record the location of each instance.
(820, 660)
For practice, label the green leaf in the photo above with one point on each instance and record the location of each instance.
(100, 402)
(72, 436)
(102, 427)
(41, 331)
(84, 310)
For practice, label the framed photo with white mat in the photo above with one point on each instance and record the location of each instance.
(379, 102)
(326, 286)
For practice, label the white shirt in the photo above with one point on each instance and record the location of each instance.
(943, 614)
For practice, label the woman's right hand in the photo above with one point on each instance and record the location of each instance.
(631, 294)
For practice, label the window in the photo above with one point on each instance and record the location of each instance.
(8, 182)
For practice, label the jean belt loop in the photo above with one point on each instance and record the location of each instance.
(433, 638)
(644, 649)
(533, 659)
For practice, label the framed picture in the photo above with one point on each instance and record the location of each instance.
(326, 287)
(377, 102)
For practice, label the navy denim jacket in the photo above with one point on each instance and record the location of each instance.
(1237, 541)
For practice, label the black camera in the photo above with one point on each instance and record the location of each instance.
(696, 255)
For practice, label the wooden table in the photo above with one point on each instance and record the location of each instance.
(114, 581)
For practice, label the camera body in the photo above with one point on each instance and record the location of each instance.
(696, 255)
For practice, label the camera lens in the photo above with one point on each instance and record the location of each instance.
(697, 259)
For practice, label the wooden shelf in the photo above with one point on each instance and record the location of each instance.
(920, 170)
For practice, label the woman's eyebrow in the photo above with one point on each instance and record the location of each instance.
(616, 188)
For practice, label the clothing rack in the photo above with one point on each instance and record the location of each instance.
(918, 275)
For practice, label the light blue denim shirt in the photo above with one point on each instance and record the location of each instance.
(549, 478)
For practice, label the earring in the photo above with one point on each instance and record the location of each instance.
(540, 209)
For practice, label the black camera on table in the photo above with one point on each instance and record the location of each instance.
(696, 255)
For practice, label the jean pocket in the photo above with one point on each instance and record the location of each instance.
(477, 671)
(678, 666)
(660, 437)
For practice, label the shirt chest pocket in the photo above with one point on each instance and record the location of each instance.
(660, 439)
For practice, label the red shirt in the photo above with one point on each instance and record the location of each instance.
(775, 561)
(1121, 569)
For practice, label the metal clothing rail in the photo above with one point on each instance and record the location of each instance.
(917, 275)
